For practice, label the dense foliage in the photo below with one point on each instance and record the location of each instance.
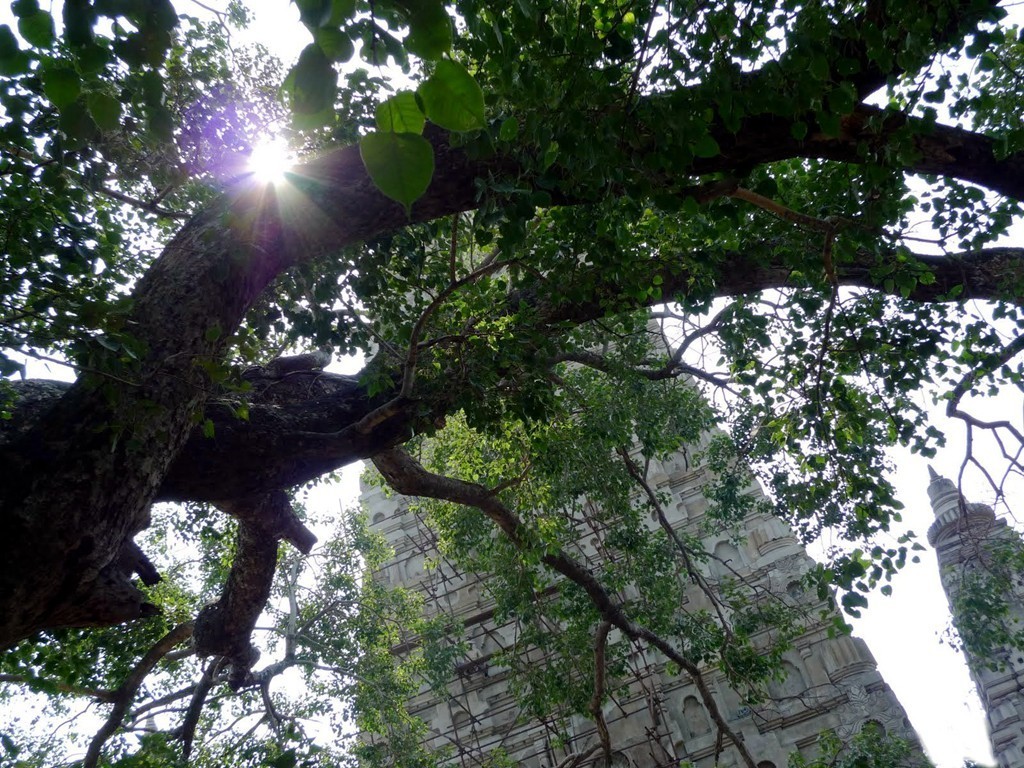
(493, 196)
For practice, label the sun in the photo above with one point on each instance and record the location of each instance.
(270, 161)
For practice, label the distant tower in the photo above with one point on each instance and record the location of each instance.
(972, 544)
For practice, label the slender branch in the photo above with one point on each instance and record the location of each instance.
(195, 707)
(671, 369)
(782, 212)
(409, 370)
(126, 692)
(684, 552)
(576, 759)
(293, 612)
(268, 705)
(600, 640)
(41, 683)
(979, 370)
(150, 207)
(409, 477)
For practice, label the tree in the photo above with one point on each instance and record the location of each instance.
(560, 166)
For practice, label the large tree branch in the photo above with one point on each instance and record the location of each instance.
(224, 628)
(296, 430)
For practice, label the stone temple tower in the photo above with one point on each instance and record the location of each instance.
(973, 548)
(657, 720)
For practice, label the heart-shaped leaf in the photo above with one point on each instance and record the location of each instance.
(61, 86)
(430, 30)
(314, 13)
(706, 146)
(335, 44)
(312, 82)
(452, 99)
(400, 164)
(400, 114)
(37, 29)
(105, 110)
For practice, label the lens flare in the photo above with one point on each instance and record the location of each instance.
(270, 161)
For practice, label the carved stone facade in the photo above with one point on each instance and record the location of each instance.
(968, 540)
(832, 682)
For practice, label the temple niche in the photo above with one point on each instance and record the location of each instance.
(659, 720)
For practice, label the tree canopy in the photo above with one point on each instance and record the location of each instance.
(491, 200)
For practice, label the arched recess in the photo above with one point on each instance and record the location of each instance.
(727, 559)
(793, 685)
(695, 718)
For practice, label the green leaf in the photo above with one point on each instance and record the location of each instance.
(400, 164)
(8, 43)
(852, 603)
(37, 29)
(706, 146)
(314, 13)
(400, 114)
(335, 44)
(842, 100)
(312, 82)
(24, 8)
(452, 99)
(430, 29)
(79, 18)
(105, 110)
(509, 129)
(76, 122)
(819, 68)
(18, 64)
(160, 124)
(550, 155)
(12, 60)
(92, 59)
(341, 11)
(61, 86)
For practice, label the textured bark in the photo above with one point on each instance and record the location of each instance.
(79, 482)
(223, 628)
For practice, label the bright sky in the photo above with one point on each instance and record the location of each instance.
(903, 631)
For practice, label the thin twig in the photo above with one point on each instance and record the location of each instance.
(32, 681)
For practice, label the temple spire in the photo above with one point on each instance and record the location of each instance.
(968, 539)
